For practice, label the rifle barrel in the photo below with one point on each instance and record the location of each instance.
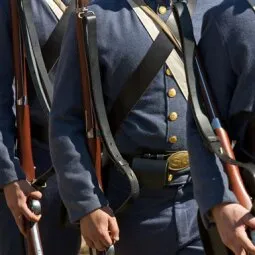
(33, 230)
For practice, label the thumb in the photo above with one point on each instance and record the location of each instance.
(114, 229)
(37, 195)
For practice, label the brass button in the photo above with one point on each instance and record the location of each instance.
(171, 92)
(170, 178)
(172, 139)
(162, 9)
(173, 116)
(168, 72)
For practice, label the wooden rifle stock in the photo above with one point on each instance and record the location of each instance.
(23, 121)
(233, 172)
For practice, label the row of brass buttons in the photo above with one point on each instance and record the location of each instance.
(173, 115)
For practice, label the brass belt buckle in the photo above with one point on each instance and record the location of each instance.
(178, 161)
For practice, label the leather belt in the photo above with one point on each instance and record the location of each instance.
(176, 161)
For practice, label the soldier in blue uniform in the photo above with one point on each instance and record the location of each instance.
(163, 220)
(229, 30)
(56, 239)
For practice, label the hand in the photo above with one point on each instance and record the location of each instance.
(16, 195)
(232, 220)
(100, 229)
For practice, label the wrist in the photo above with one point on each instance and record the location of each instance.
(10, 184)
(218, 208)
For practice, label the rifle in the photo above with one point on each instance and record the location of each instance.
(211, 129)
(91, 128)
(96, 122)
(34, 246)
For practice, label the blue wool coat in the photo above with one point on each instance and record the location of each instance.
(230, 65)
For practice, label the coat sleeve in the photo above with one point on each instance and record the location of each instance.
(10, 170)
(76, 177)
(211, 185)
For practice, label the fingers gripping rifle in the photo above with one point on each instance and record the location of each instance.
(23, 125)
(96, 123)
(211, 129)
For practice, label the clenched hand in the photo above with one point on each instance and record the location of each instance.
(232, 221)
(16, 195)
(100, 229)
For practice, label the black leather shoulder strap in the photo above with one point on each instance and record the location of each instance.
(90, 39)
(51, 50)
(172, 23)
(140, 80)
(39, 75)
(41, 61)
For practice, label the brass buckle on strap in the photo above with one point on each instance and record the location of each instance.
(178, 161)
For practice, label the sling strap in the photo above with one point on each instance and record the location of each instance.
(161, 51)
(90, 39)
(61, 5)
(55, 8)
(41, 61)
(151, 21)
(174, 62)
(38, 72)
(39, 75)
(139, 80)
(51, 50)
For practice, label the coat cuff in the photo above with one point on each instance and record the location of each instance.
(78, 209)
(11, 173)
(208, 202)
